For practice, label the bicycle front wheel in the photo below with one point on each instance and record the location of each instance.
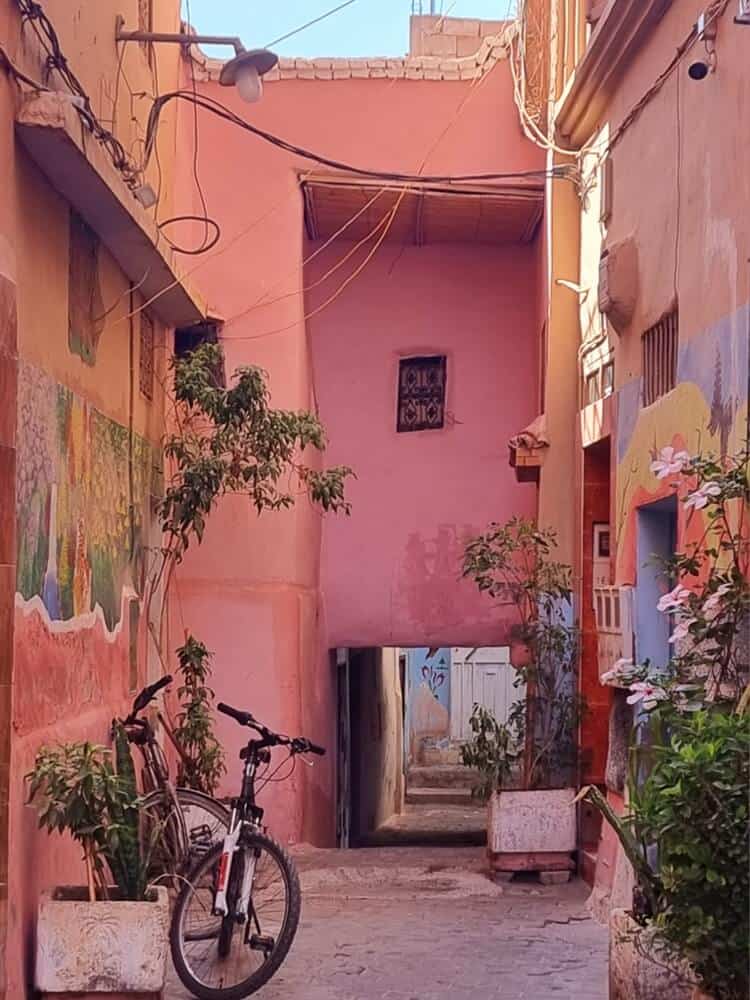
(222, 958)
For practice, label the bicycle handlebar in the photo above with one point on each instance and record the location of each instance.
(298, 745)
(147, 695)
(244, 718)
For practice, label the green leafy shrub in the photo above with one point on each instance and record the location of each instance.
(491, 752)
(694, 805)
(77, 790)
(514, 564)
(201, 762)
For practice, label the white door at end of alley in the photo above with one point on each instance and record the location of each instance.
(481, 676)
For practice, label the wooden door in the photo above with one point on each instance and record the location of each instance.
(481, 676)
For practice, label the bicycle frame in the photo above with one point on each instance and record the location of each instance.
(245, 806)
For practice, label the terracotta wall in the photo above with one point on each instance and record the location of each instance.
(75, 511)
(253, 591)
(676, 196)
(391, 571)
(594, 734)
(377, 740)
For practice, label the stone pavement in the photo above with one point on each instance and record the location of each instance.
(427, 924)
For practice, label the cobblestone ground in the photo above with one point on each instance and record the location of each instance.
(426, 924)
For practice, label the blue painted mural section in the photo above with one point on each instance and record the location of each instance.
(716, 362)
(428, 683)
(431, 667)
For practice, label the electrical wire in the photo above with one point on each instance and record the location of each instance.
(222, 111)
(33, 13)
(309, 24)
(381, 238)
(206, 243)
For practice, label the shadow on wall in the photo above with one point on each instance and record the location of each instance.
(429, 589)
(376, 740)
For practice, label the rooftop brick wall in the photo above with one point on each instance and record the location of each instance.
(449, 37)
(447, 48)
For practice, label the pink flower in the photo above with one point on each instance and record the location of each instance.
(669, 462)
(703, 495)
(674, 599)
(649, 694)
(682, 630)
(713, 602)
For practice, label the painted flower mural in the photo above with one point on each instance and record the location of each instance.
(82, 496)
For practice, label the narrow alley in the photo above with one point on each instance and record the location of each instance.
(428, 924)
(374, 499)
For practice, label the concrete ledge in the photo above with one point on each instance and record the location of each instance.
(76, 165)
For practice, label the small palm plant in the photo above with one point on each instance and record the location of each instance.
(79, 789)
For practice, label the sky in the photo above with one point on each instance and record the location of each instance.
(364, 28)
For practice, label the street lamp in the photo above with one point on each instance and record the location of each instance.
(245, 71)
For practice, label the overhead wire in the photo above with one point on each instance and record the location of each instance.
(381, 238)
(559, 171)
(308, 24)
(222, 111)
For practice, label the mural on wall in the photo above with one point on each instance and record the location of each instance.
(82, 490)
(706, 412)
(428, 704)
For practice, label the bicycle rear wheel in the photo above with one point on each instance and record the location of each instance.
(180, 833)
(219, 958)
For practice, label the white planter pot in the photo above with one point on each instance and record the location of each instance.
(110, 946)
(535, 822)
(636, 969)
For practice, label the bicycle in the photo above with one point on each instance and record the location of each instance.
(186, 823)
(237, 913)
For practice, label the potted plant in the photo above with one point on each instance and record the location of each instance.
(111, 935)
(685, 831)
(528, 776)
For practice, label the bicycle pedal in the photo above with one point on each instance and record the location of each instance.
(262, 942)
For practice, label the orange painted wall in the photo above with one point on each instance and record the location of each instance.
(66, 673)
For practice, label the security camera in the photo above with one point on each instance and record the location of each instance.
(699, 69)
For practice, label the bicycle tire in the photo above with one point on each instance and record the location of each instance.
(283, 942)
(187, 798)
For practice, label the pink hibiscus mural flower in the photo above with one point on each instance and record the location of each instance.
(649, 694)
(703, 496)
(674, 599)
(669, 462)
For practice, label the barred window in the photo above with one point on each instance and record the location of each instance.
(147, 356)
(421, 393)
(660, 358)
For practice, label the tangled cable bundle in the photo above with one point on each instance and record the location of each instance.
(33, 14)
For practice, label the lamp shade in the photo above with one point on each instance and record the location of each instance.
(245, 71)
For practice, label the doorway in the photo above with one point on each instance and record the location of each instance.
(656, 541)
(403, 715)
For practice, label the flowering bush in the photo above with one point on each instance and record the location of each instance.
(710, 602)
(690, 766)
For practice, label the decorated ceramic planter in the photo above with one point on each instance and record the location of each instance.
(532, 831)
(637, 971)
(113, 947)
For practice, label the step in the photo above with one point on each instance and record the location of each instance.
(438, 796)
(440, 776)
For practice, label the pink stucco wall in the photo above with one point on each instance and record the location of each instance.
(253, 591)
(391, 571)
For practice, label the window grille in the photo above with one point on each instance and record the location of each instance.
(147, 356)
(660, 358)
(421, 393)
(85, 303)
